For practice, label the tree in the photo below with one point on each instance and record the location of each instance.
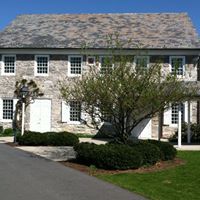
(124, 93)
(34, 92)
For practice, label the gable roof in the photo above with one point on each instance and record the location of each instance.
(158, 30)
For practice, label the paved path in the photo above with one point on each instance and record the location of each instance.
(27, 177)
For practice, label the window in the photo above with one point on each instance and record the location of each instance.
(177, 64)
(106, 65)
(75, 65)
(141, 62)
(174, 113)
(8, 65)
(7, 109)
(75, 111)
(91, 60)
(42, 65)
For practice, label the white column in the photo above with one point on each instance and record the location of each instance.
(179, 125)
(189, 125)
(23, 113)
(160, 123)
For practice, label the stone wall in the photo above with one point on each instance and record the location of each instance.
(58, 71)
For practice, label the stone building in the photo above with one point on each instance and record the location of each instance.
(48, 48)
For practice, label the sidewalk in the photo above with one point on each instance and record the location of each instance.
(63, 153)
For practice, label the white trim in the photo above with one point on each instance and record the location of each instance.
(100, 61)
(3, 65)
(6, 120)
(35, 65)
(69, 65)
(141, 56)
(184, 113)
(170, 65)
(65, 113)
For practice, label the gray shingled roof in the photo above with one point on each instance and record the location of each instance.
(160, 30)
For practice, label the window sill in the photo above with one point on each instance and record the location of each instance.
(6, 120)
(74, 122)
(43, 75)
(8, 74)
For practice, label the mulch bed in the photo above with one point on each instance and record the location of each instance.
(93, 171)
(12, 144)
(159, 166)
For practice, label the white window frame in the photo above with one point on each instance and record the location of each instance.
(170, 64)
(14, 102)
(146, 57)
(169, 111)
(69, 65)
(3, 65)
(100, 62)
(74, 122)
(36, 66)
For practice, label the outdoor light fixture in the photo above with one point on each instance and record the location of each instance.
(24, 91)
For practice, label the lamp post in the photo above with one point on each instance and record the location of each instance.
(23, 93)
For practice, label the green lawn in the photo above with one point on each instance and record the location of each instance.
(179, 183)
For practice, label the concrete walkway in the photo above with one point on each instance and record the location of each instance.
(24, 176)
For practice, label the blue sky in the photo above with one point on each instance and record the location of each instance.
(11, 8)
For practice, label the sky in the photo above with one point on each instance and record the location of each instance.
(11, 8)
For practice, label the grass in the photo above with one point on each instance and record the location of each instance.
(179, 183)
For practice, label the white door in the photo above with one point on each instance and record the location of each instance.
(40, 115)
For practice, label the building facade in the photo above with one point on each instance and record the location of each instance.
(48, 48)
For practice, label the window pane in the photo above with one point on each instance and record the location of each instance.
(9, 64)
(175, 113)
(106, 65)
(141, 62)
(75, 111)
(42, 65)
(7, 109)
(75, 65)
(177, 66)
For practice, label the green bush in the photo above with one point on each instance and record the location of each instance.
(8, 132)
(168, 152)
(1, 130)
(48, 139)
(62, 139)
(150, 152)
(109, 156)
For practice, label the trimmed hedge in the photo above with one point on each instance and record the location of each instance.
(151, 154)
(168, 152)
(132, 155)
(109, 156)
(48, 139)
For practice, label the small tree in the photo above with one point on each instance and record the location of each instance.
(125, 94)
(33, 93)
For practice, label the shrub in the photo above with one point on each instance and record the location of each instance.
(168, 152)
(8, 132)
(48, 138)
(1, 130)
(109, 156)
(62, 139)
(33, 139)
(150, 152)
